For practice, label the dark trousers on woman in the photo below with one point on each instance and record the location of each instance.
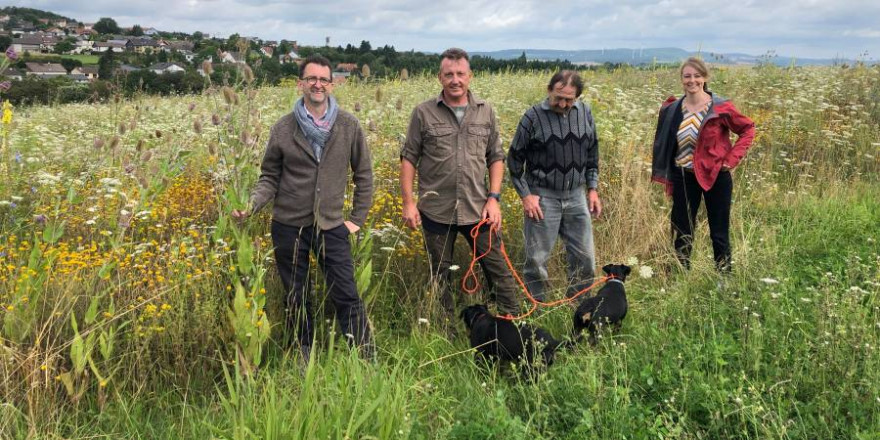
(686, 197)
(333, 252)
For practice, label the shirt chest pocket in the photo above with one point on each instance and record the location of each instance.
(439, 140)
(477, 139)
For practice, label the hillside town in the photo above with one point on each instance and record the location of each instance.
(50, 58)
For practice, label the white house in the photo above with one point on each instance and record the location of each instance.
(163, 68)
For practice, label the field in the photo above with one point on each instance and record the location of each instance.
(133, 306)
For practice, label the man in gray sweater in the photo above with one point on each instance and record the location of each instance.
(309, 153)
(554, 165)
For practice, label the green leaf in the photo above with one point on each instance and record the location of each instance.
(365, 276)
(104, 272)
(53, 232)
(92, 311)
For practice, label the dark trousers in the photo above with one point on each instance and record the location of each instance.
(333, 252)
(686, 197)
(440, 243)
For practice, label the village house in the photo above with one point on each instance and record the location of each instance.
(163, 68)
(290, 57)
(112, 46)
(13, 74)
(45, 70)
(90, 72)
(143, 44)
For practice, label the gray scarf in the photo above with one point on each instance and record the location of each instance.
(316, 131)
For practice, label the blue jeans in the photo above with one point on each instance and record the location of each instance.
(566, 215)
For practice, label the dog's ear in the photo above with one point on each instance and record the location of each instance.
(607, 268)
(626, 269)
(585, 318)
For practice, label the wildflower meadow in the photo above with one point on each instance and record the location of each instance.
(132, 305)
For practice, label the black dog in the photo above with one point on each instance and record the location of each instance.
(608, 307)
(500, 339)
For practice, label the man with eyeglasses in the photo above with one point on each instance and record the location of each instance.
(309, 153)
(452, 140)
(554, 166)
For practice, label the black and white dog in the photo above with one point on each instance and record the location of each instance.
(500, 339)
(608, 307)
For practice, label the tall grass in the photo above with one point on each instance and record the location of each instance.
(120, 269)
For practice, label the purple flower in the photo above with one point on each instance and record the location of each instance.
(10, 54)
(5, 85)
(40, 219)
(17, 157)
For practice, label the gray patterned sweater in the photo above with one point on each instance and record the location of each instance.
(554, 151)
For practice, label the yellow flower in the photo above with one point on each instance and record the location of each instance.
(7, 112)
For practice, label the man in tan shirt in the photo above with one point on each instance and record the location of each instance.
(452, 140)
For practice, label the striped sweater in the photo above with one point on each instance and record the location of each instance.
(553, 151)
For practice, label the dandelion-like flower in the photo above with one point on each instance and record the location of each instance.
(646, 272)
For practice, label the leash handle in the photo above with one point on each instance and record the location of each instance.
(473, 285)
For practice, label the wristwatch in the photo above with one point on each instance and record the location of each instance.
(496, 196)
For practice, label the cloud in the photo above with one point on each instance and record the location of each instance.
(808, 28)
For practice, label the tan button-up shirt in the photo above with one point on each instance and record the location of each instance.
(452, 158)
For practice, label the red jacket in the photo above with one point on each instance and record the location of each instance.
(713, 147)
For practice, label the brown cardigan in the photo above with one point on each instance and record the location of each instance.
(310, 193)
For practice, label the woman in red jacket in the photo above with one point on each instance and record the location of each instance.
(693, 158)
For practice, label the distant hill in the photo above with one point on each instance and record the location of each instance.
(30, 16)
(649, 56)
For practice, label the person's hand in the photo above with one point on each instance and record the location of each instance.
(352, 228)
(594, 203)
(240, 214)
(492, 212)
(411, 217)
(532, 207)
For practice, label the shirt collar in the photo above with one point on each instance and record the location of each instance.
(471, 99)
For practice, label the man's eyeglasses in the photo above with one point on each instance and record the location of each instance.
(312, 80)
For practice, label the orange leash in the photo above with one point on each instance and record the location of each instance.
(473, 285)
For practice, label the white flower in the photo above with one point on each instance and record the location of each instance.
(90, 222)
(109, 181)
(386, 249)
(769, 281)
(423, 321)
(632, 261)
(454, 267)
(646, 272)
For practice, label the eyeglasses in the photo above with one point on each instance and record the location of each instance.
(312, 80)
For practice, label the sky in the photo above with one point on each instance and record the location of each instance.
(800, 28)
